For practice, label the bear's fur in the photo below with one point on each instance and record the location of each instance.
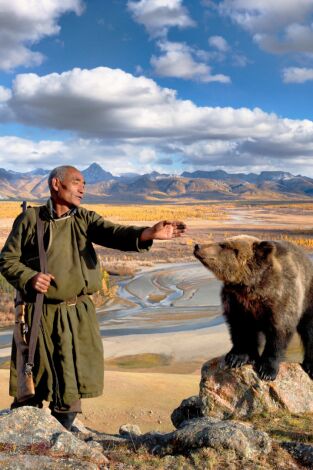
(267, 288)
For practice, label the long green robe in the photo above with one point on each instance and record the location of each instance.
(69, 353)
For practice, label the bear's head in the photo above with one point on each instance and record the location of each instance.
(237, 260)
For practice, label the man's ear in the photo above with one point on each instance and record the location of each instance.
(55, 183)
(264, 249)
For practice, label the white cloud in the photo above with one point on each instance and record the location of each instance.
(219, 43)
(117, 115)
(24, 23)
(22, 154)
(158, 16)
(180, 61)
(297, 74)
(278, 26)
(5, 94)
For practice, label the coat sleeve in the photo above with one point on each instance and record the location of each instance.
(11, 266)
(120, 237)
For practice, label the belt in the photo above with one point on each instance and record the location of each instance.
(72, 301)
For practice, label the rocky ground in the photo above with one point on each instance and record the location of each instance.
(237, 421)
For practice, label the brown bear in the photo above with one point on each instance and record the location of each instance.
(267, 288)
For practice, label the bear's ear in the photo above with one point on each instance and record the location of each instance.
(263, 249)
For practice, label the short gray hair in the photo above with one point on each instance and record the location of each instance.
(59, 172)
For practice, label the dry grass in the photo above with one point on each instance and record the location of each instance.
(305, 242)
(139, 361)
(10, 209)
(122, 458)
(158, 212)
(286, 426)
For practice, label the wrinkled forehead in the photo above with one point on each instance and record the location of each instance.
(74, 175)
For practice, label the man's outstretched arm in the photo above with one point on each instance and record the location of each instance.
(164, 230)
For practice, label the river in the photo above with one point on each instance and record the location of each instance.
(163, 299)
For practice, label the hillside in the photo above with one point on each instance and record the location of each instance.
(103, 186)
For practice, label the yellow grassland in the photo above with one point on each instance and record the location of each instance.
(158, 212)
(136, 212)
(302, 241)
(10, 209)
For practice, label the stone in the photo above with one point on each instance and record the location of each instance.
(34, 434)
(42, 462)
(188, 409)
(220, 435)
(302, 452)
(130, 430)
(231, 393)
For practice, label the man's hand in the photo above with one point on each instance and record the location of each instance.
(41, 282)
(164, 230)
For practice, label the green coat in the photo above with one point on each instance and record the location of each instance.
(69, 354)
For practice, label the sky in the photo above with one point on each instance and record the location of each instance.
(157, 85)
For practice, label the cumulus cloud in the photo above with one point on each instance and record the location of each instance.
(219, 43)
(26, 154)
(278, 26)
(297, 74)
(180, 60)
(158, 16)
(117, 114)
(5, 94)
(24, 23)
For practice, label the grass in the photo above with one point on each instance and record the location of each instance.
(286, 426)
(204, 459)
(10, 209)
(280, 427)
(139, 361)
(140, 212)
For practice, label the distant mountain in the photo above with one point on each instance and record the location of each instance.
(95, 173)
(102, 186)
(39, 172)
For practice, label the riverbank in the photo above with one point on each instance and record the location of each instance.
(130, 397)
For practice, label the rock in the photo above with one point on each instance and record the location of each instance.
(303, 453)
(219, 435)
(189, 408)
(34, 434)
(78, 426)
(228, 393)
(42, 462)
(130, 430)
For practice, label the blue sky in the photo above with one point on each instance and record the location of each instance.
(166, 85)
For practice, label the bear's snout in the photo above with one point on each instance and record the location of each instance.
(205, 252)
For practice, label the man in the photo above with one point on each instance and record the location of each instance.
(69, 355)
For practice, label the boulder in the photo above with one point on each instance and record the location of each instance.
(35, 437)
(230, 393)
(196, 433)
(189, 408)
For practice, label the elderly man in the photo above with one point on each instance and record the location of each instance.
(68, 362)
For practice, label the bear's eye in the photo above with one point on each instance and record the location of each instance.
(236, 251)
(223, 246)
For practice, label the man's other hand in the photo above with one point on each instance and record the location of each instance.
(164, 230)
(41, 282)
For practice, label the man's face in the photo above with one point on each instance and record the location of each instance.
(69, 192)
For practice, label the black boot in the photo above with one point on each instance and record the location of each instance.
(30, 402)
(66, 419)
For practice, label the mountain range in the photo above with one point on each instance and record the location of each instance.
(103, 186)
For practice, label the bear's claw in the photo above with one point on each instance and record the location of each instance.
(234, 360)
(267, 371)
